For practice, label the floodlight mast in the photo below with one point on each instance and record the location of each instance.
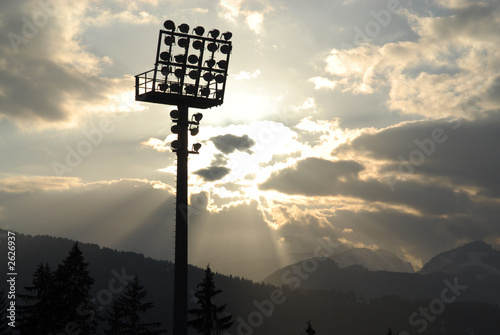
(176, 80)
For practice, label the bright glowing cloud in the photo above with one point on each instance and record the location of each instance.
(254, 21)
(23, 184)
(247, 75)
(321, 82)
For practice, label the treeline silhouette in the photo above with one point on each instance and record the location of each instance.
(59, 302)
(331, 311)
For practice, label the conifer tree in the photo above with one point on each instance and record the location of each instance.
(4, 327)
(124, 317)
(73, 281)
(39, 315)
(309, 329)
(208, 318)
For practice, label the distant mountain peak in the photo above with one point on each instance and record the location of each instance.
(477, 257)
(477, 245)
(378, 260)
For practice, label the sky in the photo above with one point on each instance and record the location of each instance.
(370, 124)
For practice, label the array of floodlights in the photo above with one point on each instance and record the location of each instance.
(192, 64)
(194, 129)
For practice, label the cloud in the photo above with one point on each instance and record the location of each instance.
(379, 100)
(213, 173)
(122, 214)
(319, 177)
(24, 184)
(157, 144)
(230, 9)
(229, 143)
(312, 176)
(104, 14)
(243, 75)
(45, 71)
(452, 60)
(321, 82)
(254, 21)
(455, 151)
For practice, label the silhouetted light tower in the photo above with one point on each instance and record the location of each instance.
(190, 71)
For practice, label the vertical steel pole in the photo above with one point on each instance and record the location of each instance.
(181, 227)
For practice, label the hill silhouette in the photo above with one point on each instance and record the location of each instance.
(261, 308)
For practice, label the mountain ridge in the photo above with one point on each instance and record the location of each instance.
(334, 310)
(482, 286)
(477, 256)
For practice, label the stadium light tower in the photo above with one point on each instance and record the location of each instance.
(190, 71)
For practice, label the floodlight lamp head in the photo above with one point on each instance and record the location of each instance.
(205, 91)
(197, 117)
(222, 64)
(165, 56)
(193, 74)
(179, 73)
(179, 58)
(169, 25)
(190, 89)
(174, 114)
(208, 76)
(212, 47)
(194, 131)
(199, 30)
(183, 42)
(165, 70)
(196, 147)
(193, 59)
(198, 45)
(169, 40)
(227, 35)
(214, 33)
(175, 88)
(184, 28)
(225, 49)
(175, 144)
(174, 129)
(210, 62)
(219, 78)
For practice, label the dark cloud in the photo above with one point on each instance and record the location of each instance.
(229, 143)
(319, 177)
(312, 176)
(213, 173)
(219, 159)
(462, 152)
(465, 20)
(40, 77)
(309, 137)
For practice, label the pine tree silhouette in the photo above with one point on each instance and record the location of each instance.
(124, 317)
(39, 315)
(4, 327)
(74, 307)
(309, 330)
(389, 332)
(208, 319)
